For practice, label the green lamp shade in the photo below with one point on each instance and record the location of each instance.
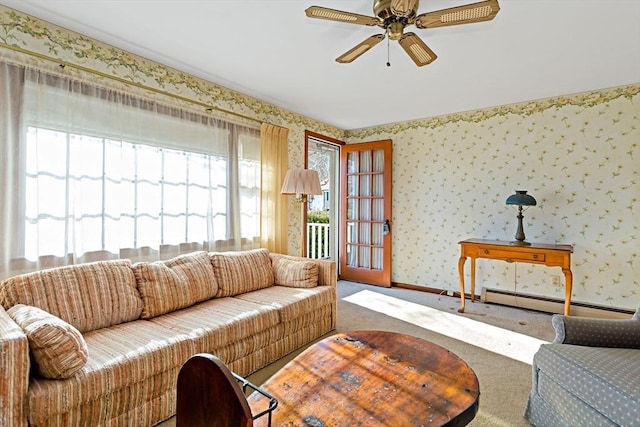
(521, 198)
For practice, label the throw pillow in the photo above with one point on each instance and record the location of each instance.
(242, 271)
(58, 350)
(166, 286)
(295, 273)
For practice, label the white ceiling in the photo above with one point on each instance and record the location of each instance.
(270, 50)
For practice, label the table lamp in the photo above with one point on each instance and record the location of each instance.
(520, 199)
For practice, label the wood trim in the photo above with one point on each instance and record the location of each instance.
(310, 134)
(438, 291)
(305, 161)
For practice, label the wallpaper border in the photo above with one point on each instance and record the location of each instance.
(526, 108)
(24, 33)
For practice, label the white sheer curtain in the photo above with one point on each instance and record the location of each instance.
(97, 173)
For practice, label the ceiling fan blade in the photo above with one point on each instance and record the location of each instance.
(467, 14)
(403, 7)
(358, 50)
(340, 16)
(417, 49)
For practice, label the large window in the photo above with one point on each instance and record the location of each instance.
(102, 174)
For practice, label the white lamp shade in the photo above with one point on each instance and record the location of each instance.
(301, 181)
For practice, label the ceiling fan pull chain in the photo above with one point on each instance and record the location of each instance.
(388, 62)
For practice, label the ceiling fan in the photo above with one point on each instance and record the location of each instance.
(394, 15)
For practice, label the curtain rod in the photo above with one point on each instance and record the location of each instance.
(127, 82)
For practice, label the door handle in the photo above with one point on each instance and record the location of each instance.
(386, 228)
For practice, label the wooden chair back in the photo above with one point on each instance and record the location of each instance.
(209, 395)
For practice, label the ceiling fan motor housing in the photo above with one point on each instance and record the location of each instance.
(382, 9)
(394, 24)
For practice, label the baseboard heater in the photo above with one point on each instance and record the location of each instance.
(551, 305)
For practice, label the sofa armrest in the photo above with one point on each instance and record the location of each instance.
(327, 272)
(14, 372)
(593, 332)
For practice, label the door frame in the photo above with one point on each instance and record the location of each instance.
(329, 140)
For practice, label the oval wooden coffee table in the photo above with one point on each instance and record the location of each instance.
(372, 378)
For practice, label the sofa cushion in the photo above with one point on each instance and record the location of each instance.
(120, 356)
(291, 303)
(240, 272)
(166, 286)
(294, 273)
(88, 296)
(57, 348)
(227, 320)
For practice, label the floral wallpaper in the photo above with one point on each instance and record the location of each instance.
(577, 155)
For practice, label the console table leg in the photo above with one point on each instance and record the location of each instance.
(568, 278)
(461, 262)
(473, 279)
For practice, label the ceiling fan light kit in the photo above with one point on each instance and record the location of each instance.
(395, 15)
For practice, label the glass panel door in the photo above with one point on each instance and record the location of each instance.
(366, 206)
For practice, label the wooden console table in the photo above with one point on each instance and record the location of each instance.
(537, 253)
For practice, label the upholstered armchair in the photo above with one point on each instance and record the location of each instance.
(588, 375)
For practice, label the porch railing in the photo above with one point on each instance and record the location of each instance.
(318, 241)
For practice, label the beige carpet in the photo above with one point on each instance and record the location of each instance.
(497, 342)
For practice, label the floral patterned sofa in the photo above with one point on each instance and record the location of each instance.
(102, 343)
(589, 375)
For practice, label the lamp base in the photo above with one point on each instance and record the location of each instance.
(303, 235)
(519, 243)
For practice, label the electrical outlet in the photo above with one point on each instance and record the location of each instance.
(555, 281)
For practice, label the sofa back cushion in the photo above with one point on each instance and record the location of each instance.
(240, 272)
(166, 286)
(88, 296)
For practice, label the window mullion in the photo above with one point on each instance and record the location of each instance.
(162, 185)
(104, 195)
(69, 183)
(186, 190)
(136, 199)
